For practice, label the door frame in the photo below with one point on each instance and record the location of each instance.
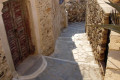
(4, 39)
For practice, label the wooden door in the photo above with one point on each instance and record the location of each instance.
(18, 32)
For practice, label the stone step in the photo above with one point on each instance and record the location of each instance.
(65, 38)
(69, 34)
(74, 62)
(73, 49)
(62, 70)
(71, 29)
(70, 50)
(76, 28)
(73, 32)
(60, 44)
(69, 56)
(77, 24)
(29, 65)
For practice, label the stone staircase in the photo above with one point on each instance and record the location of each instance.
(30, 65)
(73, 45)
(72, 59)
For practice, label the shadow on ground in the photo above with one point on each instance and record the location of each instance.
(72, 59)
(62, 65)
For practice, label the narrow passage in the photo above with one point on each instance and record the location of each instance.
(73, 58)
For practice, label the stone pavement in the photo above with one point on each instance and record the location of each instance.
(73, 45)
(73, 58)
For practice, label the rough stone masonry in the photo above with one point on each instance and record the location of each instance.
(50, 23)
(5, 73)
(97, 36)
(48, 31)
(76, 10)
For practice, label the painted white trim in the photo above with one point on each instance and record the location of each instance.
(35, 74)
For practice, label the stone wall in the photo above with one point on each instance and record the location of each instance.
(113, 62)
(55, 18)
(59, 17)
(47, 40)
(49, 24)
(97, 36)
(76, 10)
(5, 73)
(64, 16)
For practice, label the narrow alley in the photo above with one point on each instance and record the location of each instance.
(59, 40)
(73, 58)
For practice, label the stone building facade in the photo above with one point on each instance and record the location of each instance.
(76, 10)
(105, 43)
(51, 19)
(46, 20)
(98, 37)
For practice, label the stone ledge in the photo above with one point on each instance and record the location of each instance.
(106, 8)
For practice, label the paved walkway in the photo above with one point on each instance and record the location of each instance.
(73, 58)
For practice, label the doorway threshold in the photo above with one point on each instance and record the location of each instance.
(31, 67)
